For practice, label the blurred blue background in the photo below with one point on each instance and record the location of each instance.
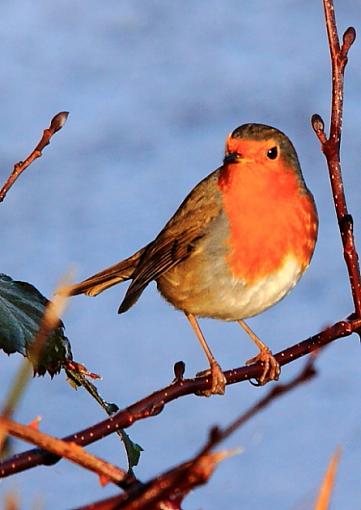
(153, 88)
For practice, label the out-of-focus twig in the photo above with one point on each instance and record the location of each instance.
(56, 124)
(11, 501)
(51, 319)
(331, 147)
(70, 451)
(328, 483)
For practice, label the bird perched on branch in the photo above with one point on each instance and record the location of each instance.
(237, 244)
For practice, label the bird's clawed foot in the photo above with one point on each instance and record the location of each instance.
(218, 380)
(271, 367)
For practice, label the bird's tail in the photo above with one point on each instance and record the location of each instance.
(110, 276)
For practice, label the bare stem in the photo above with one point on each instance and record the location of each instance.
(56, 124)
(331, 146)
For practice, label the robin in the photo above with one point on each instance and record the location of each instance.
(237, 244)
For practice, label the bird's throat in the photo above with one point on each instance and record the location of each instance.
(271, 216)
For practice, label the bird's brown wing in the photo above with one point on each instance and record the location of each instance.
(178, 238)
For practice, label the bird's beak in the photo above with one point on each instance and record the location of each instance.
(231, 157)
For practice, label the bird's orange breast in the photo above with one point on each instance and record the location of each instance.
(271, 216)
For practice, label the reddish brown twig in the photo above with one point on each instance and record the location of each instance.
(171, 487)
(154, 404)
(331, 146)
(66, 449)
(56, 124)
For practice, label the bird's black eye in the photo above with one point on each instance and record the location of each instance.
(272, 153)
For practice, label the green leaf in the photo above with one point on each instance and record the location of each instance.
(22, 307)
(133, 450)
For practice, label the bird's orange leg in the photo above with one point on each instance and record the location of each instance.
(218, 378)
(271, 369)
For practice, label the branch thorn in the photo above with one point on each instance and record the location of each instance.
(179, 369)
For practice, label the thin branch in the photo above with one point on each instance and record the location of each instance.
(56, 124)
(69, 450)
(154, 403)
(331, 146)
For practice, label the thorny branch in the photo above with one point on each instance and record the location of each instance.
(154, 404)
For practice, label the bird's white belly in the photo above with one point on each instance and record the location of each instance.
(237, 300)
(214, 292)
